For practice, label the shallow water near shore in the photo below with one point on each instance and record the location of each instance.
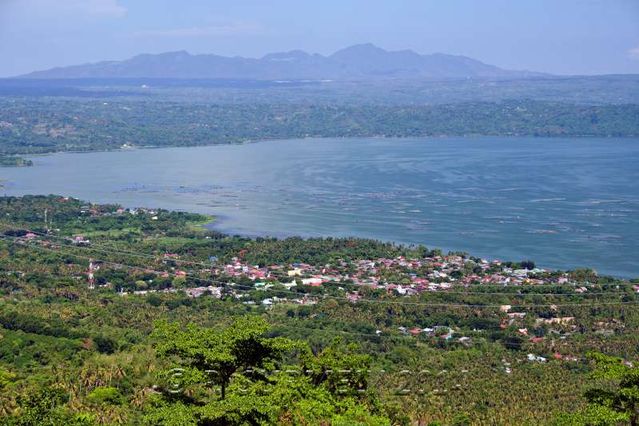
(563, 202)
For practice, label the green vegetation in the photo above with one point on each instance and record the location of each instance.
(578, 90)
(180, 328)
(253, 388)
(41, 125)
(14, 162)
(614, 403)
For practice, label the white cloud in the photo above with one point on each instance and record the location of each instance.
(232, 28)
(634, 53)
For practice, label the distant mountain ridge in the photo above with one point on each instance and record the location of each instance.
(359, 62)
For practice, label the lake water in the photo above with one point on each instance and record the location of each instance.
(564, 203)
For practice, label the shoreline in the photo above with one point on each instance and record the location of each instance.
(31, 156)
(218, 226)
(215, 223)
(215, 192)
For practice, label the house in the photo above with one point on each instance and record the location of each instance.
(415, 331)
(512, 316)
(353, 297)
(313, 282)
(439, 330)
(213, 291)
(400, 290)
(296, 272)
(536, 358)
(558, 320)
(465, 340)
(79, 240)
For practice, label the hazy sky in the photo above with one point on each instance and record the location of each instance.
(557, 36)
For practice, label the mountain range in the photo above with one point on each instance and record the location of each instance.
(359, 62)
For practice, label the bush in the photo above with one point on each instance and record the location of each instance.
(105, 345)
(105, 395)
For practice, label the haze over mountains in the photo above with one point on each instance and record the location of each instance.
(359, 62)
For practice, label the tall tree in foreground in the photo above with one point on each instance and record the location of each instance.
(210, 355)
(255, 385)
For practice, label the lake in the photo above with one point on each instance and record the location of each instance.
(563, 202)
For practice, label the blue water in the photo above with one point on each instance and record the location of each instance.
(564, 203)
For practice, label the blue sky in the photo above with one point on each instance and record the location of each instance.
(556, 36)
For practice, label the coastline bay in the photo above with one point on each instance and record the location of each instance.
(563, 202)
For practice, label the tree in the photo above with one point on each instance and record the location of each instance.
(254, 389)
(610, 405)
(45, 407)
(219, 354)
(338, 368)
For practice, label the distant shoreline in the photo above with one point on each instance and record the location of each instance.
(29, 157)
